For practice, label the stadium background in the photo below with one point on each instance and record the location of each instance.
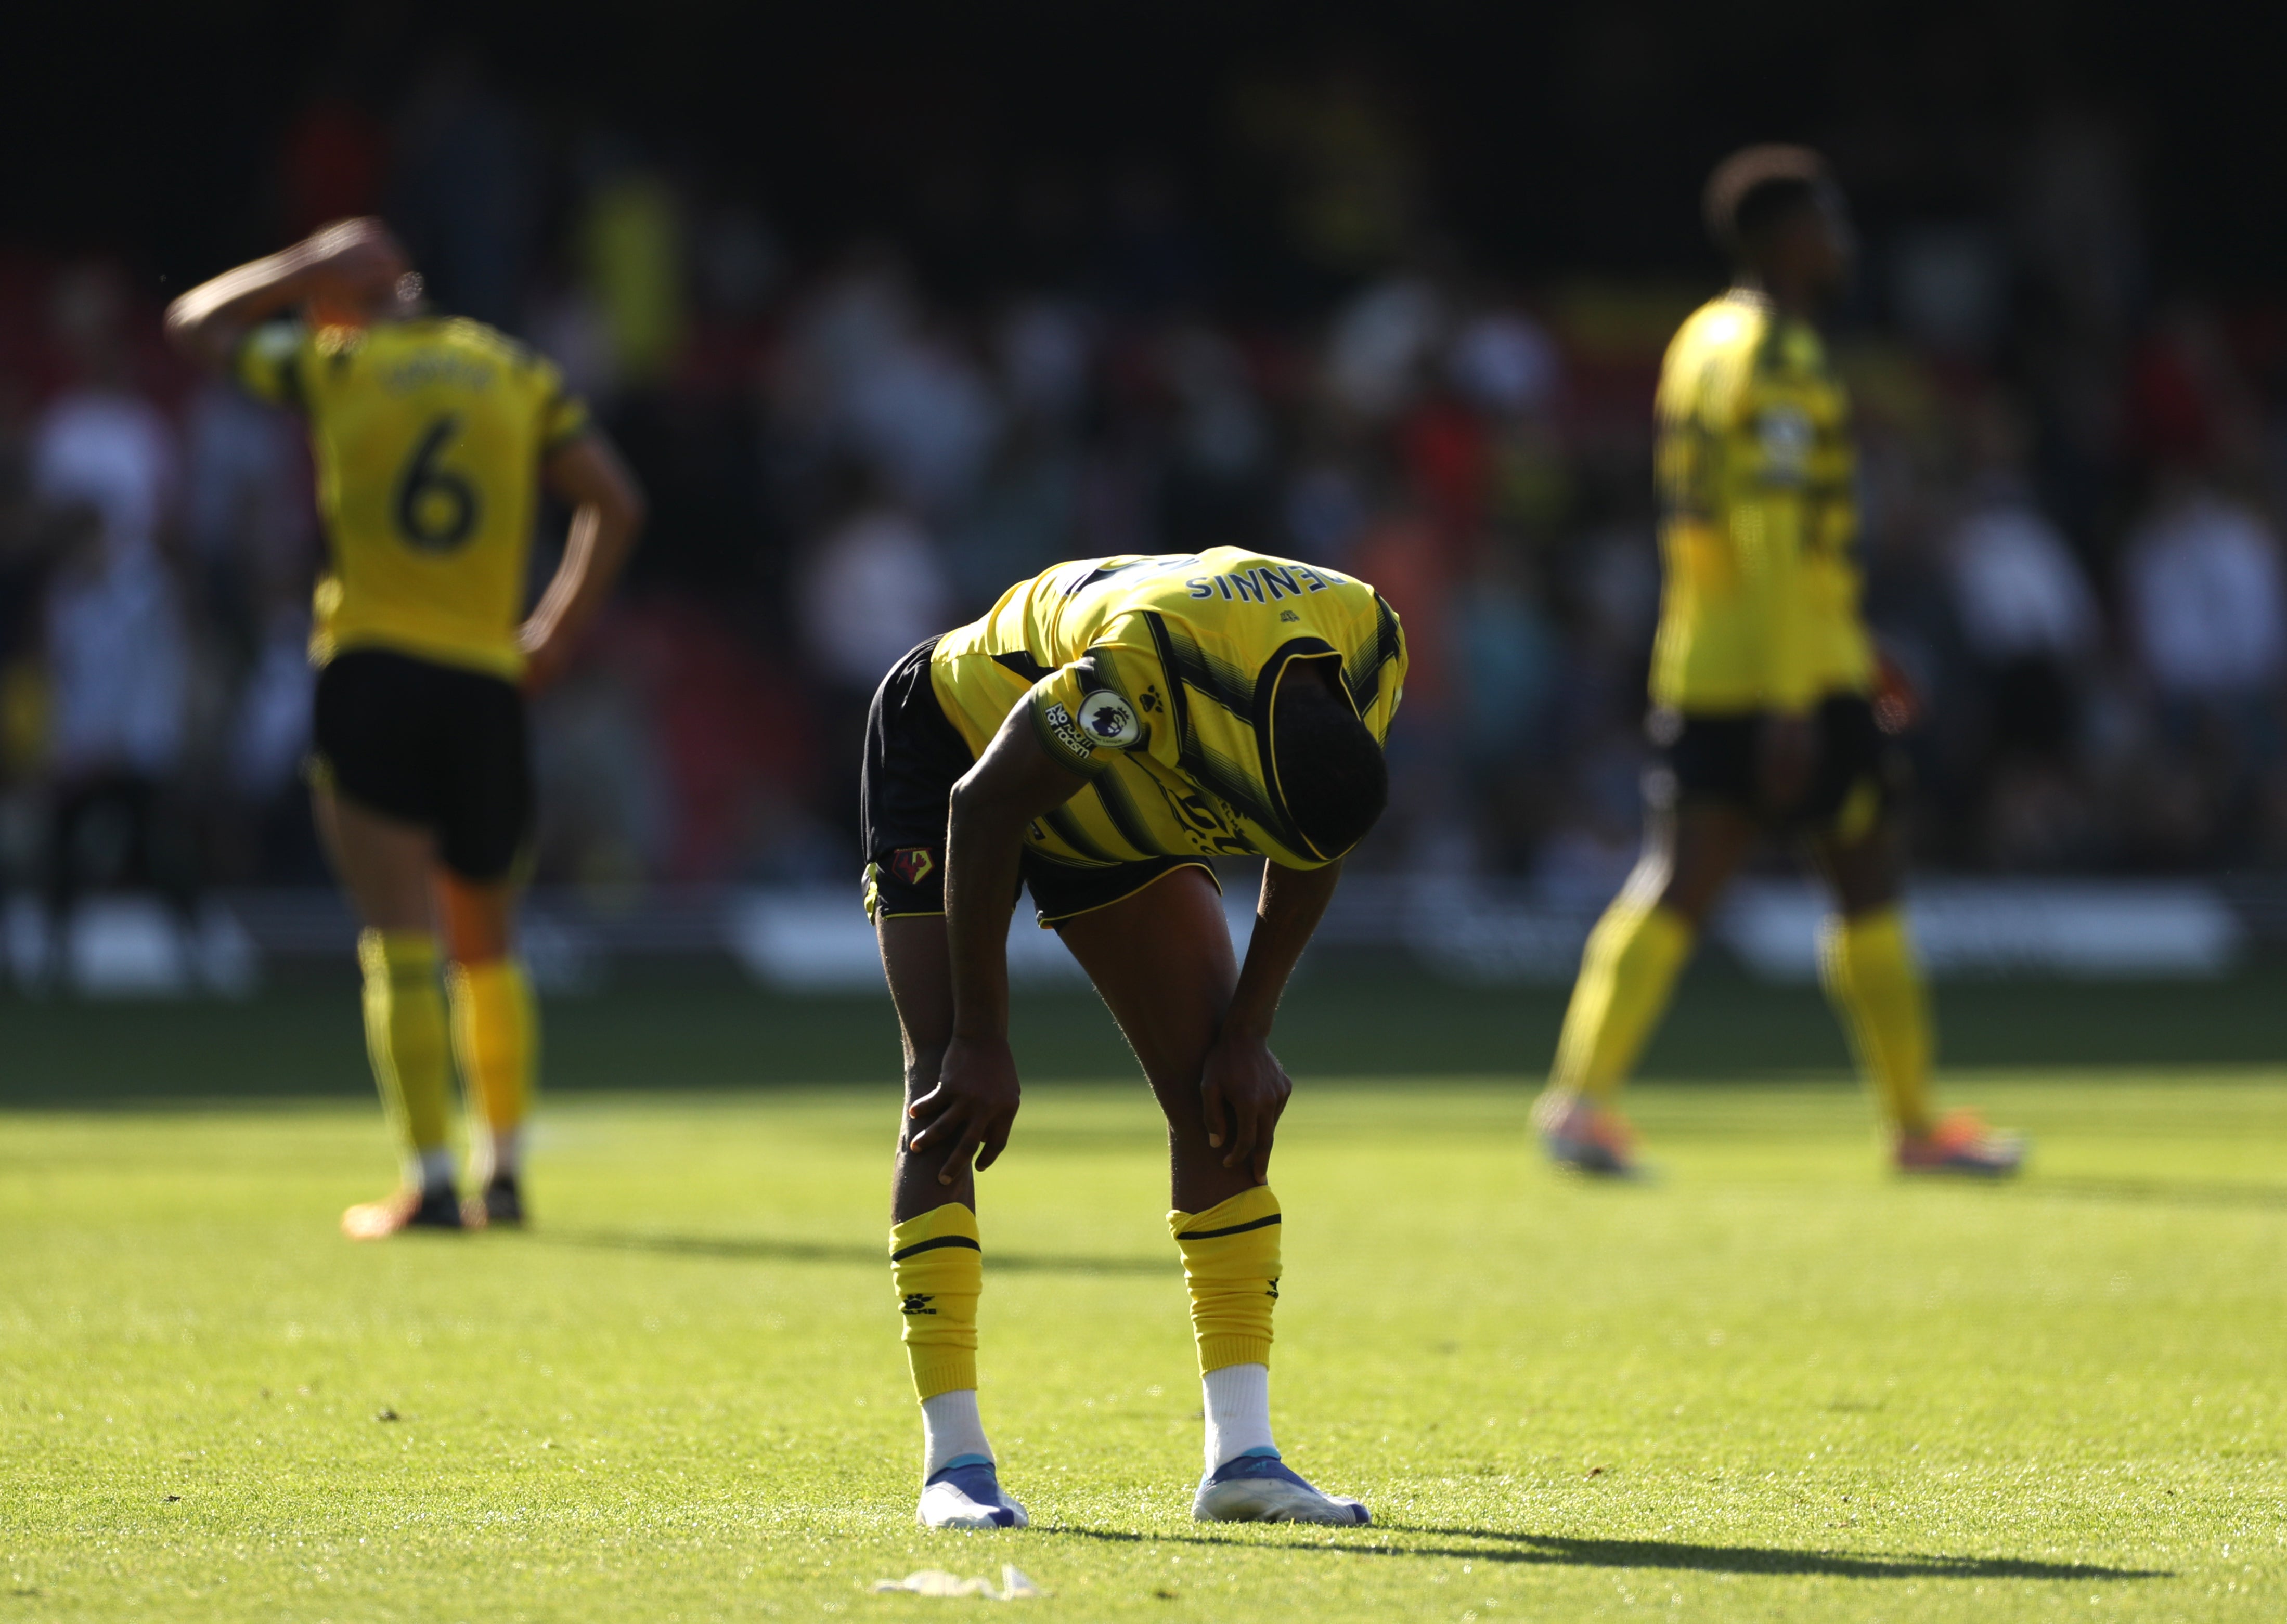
(890, 309)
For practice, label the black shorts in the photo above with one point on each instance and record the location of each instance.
(430, 743)
(914, 757)
(1713, 759)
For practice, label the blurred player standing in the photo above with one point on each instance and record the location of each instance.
(433, 438)
(1105, 732)
(1763, 685)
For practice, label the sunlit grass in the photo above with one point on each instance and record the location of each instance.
(1776, 1382)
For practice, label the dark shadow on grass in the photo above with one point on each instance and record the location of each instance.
(762, 1249)
(2163, 1191)
(1673, 1555)
(1766, 1559)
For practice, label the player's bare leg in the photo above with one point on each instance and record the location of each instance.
(1867, 964)
(936, 1251)
(1162, 960)
(385, 864)
(1628, 975)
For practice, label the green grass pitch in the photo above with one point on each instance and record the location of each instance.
(1776, 1384)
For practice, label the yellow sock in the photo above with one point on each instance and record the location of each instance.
(497, 1039)
(1633, 958)
(1231, 1264)
(1867, 967)
(937, 1264)
(404, 1036)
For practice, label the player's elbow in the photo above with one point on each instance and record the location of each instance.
(971, 798)
(188, 331)
(630, 510)
(981, 802)
(589, 474)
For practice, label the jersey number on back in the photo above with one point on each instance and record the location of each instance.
(436, 509)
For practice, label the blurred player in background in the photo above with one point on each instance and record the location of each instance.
(1102, 735)
(433, 439)
(1763, 686)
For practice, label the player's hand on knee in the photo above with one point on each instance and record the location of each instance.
(972, 1108)
(1245, 1089)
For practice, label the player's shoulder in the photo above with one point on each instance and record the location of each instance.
(1718, 352)
(1726, 332)
(1733, 321)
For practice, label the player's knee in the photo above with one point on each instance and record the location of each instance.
(1869, 891)
(1690, 893)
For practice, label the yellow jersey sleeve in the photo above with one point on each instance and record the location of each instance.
(563, 417)
(1102, 703)
(268, 364)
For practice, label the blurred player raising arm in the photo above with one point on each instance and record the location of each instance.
(353, 274)
(433, 438)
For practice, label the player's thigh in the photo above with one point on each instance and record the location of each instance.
(1707, 840)
(485, 805)
(373, 764)
(1864, 873)
(384, 861)
(1162, 960)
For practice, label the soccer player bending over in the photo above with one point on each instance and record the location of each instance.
(1762, 684)
(433, 439)
(1106, 731)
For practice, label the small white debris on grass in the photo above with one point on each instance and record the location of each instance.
(936, 1581)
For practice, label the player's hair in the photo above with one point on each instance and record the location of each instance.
(1331, 770)
(1758, 186)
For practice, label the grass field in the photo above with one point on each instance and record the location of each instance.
(1776, 1384)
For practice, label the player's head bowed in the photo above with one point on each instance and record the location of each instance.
(1330, 767)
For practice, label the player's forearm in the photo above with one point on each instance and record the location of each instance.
(596, 549)
(608, 514)
(206, 322)
(983, 850)
(1287, 914)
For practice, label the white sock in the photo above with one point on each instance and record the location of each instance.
(950, 1429)
(1237, 1405)
(502, 1153)
(434, 1168)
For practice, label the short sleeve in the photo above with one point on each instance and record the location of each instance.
(566, 421)
(268, 364)
(564, 415)
(1103, 701)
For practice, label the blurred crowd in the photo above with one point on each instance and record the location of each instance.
(2071, 483)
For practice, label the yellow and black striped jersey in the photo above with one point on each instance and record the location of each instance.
(1759, 602)
(428, 436)
(1154, 675)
